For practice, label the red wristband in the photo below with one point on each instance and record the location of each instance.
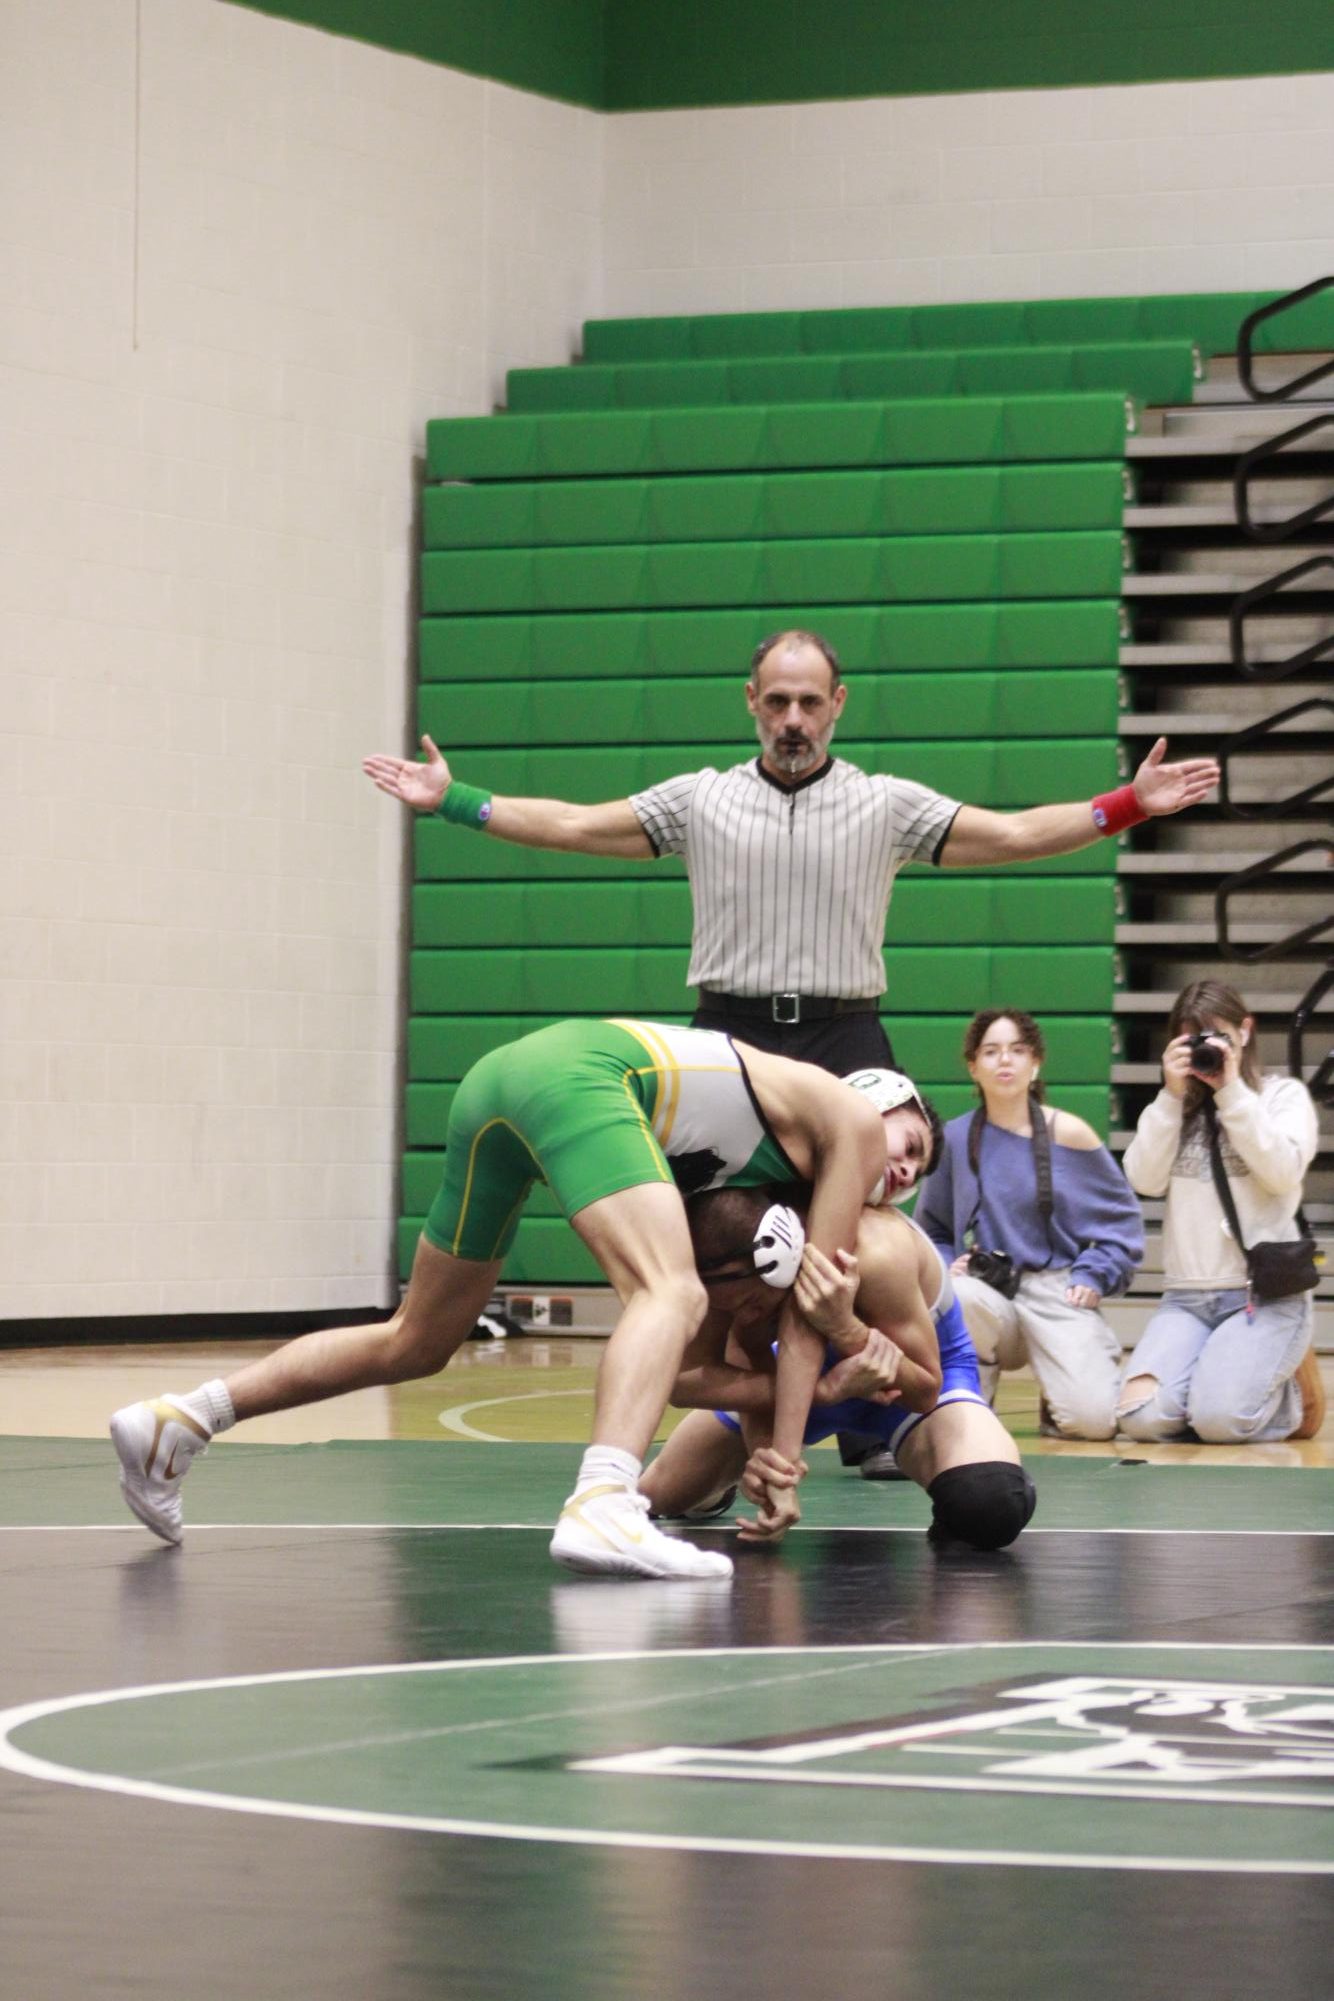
(1113, 812)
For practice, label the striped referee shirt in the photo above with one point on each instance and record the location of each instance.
(791, 884)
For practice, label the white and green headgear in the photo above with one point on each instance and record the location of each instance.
(887, 1089)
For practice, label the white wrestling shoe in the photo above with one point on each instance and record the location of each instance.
(606, 1531)
(156, 1443)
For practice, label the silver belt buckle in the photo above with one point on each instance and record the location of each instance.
(786, 1008)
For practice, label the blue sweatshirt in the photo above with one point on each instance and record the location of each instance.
(1096, 1226)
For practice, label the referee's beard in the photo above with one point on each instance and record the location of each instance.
(791, 753)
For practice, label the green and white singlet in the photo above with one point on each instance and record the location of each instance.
(591, 1107)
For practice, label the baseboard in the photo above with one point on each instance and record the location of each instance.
(122, 1330)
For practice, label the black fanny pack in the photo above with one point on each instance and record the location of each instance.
(1277, 1270)
(1281, 1271)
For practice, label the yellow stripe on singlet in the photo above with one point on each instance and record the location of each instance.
(660, 1164)
(477, 1139)
(668, 1073)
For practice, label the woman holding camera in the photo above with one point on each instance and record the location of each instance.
(1041, 1227)
(1228, 1354)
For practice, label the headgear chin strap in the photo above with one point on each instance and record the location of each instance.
(774, 1253)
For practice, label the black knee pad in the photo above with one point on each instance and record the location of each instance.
(984, 1505)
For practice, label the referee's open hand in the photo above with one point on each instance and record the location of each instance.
(421, 786)
(1167, 788)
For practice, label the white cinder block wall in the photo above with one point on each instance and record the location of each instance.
(239, 267)
(241, 262)
(1213, 186)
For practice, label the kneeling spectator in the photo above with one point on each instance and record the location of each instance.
(1041, 1227)
(1217, 1359)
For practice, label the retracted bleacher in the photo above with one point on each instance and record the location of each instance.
(939, 490)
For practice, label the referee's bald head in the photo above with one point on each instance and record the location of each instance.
(793, 643)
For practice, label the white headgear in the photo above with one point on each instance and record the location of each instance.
(887, 1089)
(773, 1254)
(779, 1243)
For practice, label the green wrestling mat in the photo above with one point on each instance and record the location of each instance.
(72, 1483)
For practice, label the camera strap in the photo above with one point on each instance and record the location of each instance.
(1041, 1164)
(1224, 1187)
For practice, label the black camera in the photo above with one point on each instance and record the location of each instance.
(1207, 1055)
(995, 1269)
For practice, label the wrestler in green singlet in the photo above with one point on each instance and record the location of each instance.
(591, 1107)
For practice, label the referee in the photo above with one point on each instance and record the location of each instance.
(792, 855)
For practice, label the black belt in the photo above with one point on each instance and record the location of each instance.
(786, 1009)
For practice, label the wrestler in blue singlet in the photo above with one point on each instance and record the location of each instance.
(891, 1423)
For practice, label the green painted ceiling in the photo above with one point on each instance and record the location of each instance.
(641, 55)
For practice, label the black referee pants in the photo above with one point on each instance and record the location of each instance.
(840, 1043)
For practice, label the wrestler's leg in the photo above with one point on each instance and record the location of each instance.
(435, 1316)
(702, 1459)
(639, 1237)
(156, 1440)
(970, 1466)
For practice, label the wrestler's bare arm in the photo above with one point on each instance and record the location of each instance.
(832, 1134)
(726, 1368)
(892, 1297)
(886, 1290)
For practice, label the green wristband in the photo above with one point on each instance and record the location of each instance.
(465, 805)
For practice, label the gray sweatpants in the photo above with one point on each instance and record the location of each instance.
(1071, 1349)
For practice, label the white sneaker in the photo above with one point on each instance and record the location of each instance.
(606, 1530)
(156, 1442)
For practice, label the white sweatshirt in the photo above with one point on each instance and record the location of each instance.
(1268, 1140)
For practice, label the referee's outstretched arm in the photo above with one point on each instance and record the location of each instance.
(610, 829)
(977, 835)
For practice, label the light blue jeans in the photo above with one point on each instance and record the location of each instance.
(1222, 1373)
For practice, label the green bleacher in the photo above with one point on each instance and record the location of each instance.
(973, 500)
(938, 490)
(1007, 774)
(441, 1048)
(638, 979)
(906, 569)
(956, 911)
(791, 437)
(870, 639)
(1156, 371)
(1208, 319)
(642, 714)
